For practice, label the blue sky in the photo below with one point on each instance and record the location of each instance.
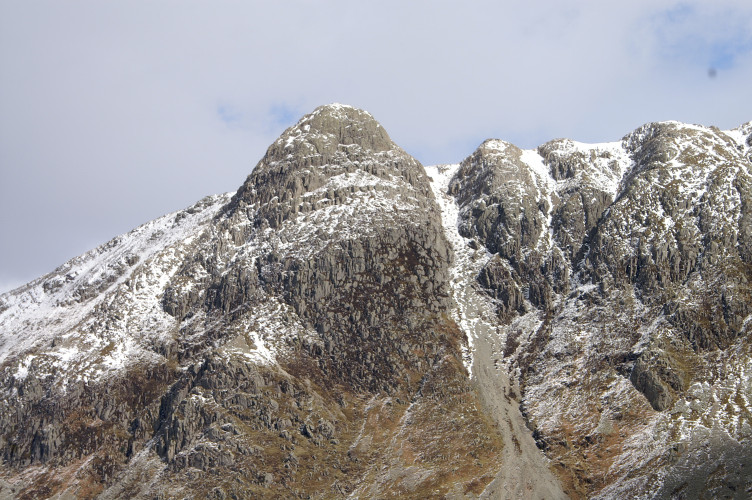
(704, 35)
(114, 113)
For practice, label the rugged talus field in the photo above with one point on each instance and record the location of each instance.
(570, 321)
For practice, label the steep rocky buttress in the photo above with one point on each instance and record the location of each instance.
(293, 343)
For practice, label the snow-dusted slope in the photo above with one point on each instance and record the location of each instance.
(54, 326)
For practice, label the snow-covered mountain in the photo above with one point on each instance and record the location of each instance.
(571, 321)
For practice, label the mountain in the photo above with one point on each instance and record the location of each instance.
(570, 321)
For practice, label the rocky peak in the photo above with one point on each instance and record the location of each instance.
(675, 144)
(328, 155)
(332, 216)
(500, 192)
(340, 124)
(487, 169)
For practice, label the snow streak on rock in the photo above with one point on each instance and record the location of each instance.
(473, 310)
(524, 471)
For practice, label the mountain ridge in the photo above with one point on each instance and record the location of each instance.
(346, 278)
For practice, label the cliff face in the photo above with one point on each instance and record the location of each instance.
(347, 324)
(621, 275)
(290, 340)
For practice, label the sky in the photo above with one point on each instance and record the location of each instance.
(115, 113)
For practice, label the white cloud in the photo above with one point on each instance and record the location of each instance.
(6, 286)
(114, 113)
(706, 35)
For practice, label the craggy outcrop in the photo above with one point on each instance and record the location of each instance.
(316, 294)
(633, 258)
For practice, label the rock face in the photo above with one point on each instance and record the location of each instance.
(289, 341)
(347, 325)
(621, 273)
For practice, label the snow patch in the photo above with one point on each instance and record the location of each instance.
(472, 311)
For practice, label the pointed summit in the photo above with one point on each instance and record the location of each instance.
(326, 130)
(325, 158)
(341, 124)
